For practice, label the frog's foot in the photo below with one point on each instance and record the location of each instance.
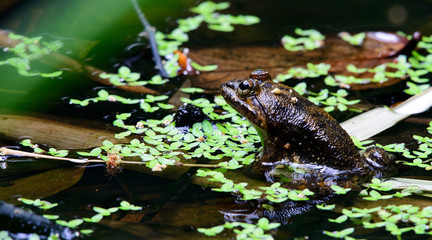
(379, 161)
(296, 172)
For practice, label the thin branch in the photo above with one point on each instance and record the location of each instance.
(6, 151)
(150, 34)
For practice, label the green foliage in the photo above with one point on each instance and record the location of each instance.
(203, 68)
(422, 155)
(221, 22)
(37, 149)
(375, 195)
(376, 185)
(50, 217)
(207, 12)
(391, 217)
(233, 139)
(232, 142)
(213, 231)
(331, 100)
(70, 224)
(124, 77)
(95, 219)
(340, 234)
(396, 219)
(4, 235)
(382, 73)
(274, 193)
(312, 71)
(105, 212)
(244, 230)
(361, 144)
(27, 50)
(192, 90)
(104, 96)
(340, 219)
(340, 190)
(356, 40)
(415, 67)
(337, 100)
(126, 206)
(420, 66)
(74, 223)
(57, 153)
(325, 207)
(38, 203)
(309, 40)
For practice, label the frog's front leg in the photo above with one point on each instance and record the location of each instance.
(266, 161)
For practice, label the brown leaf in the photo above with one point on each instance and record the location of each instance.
(238, 62)
(42, 184)
(57, 134)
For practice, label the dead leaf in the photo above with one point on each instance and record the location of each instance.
(53, 133)
(42, 184)
(238, 62)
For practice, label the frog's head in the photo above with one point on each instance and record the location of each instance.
(244, 96)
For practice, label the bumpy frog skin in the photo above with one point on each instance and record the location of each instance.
(295, 132)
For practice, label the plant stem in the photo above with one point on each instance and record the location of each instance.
(150, 34)
(6, 151)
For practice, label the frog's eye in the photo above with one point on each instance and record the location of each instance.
(245, 87)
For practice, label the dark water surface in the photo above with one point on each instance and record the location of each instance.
(171, 209)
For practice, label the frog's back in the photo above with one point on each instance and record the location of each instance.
(309, 134)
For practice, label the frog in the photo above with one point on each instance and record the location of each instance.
(299, 139)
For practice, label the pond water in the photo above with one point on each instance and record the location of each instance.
(173, 207)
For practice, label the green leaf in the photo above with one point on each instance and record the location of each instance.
(75, 223)
(340, 190)
(340, 219)
(211, 231)
(26, 143)
(192, 90)
(103, 93)
(26, 201)
(95, 219)
(124, 71)
(165, 106)
(204, 68)
(50, 217)
(223, 27)
(147, 157)
(207, 127)
(340, 234)
(325, 207)
(53, 74)
(266, 225)
(86, 231)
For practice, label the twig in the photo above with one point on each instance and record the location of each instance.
(6, 151)
(150, 34)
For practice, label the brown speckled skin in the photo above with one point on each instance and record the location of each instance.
(285, 118)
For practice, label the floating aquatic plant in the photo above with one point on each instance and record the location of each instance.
(27, 50)
(310, 39)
